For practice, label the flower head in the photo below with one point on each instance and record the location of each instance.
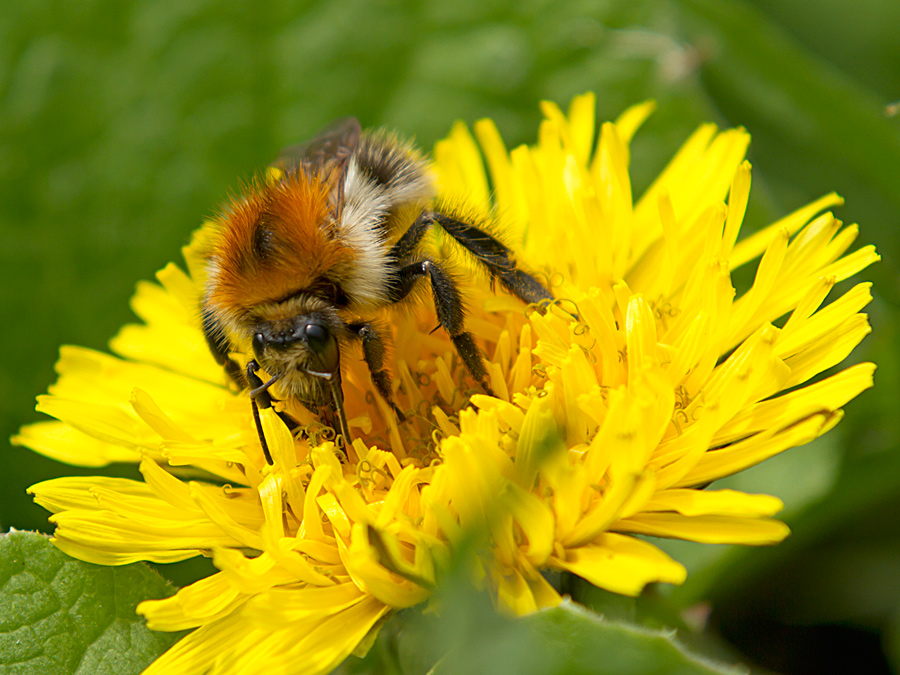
(613, 408)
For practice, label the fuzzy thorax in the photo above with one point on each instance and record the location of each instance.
(278, 239)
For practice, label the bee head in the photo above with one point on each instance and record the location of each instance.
(307, 342)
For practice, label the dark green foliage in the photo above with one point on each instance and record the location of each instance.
(62, 616)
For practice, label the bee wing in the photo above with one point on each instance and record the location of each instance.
(327, 154)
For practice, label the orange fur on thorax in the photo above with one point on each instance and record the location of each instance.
(276, 239)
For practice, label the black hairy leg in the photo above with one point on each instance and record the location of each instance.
(487, 250)
(220, 348)
(496, 257)
(450, 312)
(259, 398)
(374, 352)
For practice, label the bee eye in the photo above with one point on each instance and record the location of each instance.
(317, 335)
(323, 345)
(259, 345)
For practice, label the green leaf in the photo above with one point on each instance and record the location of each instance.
(461, 632)
(62, 616)
(569, 639)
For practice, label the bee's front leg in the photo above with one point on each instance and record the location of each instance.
(259, 397)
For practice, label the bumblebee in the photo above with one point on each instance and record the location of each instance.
(331, 235)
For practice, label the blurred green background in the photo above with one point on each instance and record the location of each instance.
(123, 123)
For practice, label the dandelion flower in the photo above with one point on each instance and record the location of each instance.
(613, 409)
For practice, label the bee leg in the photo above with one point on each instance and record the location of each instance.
(331, 413)
(219, 346)
(450, 313)
(488, 250)
(408, 243)
(337, 406)
(373, 352)
(259, 397)
(289, 421)
(496, 257)
(332, 381)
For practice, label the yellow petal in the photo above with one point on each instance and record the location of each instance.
(709, 529)
(716, 502)
(622, 564)
(64, 443)
(202, 602)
